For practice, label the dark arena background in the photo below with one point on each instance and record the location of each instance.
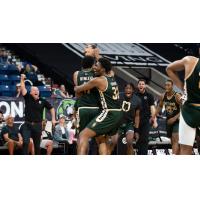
(49, 65)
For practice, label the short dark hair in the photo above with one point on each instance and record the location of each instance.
(94, 46)
(87, 62)
(142, 80)
(131, 84)
(169, 80)
(105, 63)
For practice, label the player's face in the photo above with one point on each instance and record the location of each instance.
(168, 87)
(141, 86)
(35, 92)
(89, 51)
(128, 91)
(98, 70)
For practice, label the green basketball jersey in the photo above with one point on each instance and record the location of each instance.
(171, 106)
(192, 86)
(89, 98)
(110, 97)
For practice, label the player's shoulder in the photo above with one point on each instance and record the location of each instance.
(189, 58)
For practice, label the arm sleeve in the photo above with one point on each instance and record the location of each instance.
(151, 100)
(47, 105)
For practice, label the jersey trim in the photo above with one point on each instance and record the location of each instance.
(106, 86)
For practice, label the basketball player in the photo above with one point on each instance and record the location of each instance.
(87, 105)
(190, 111)
(171, 100)
(107, 121)
(131, 118)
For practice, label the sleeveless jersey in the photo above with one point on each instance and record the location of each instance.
(89, 98)
(171, 106)
(192, 86)
(110, 97)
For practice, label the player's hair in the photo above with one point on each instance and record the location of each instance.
(105, 63)
(87, 62)
(131, 84)
(168, 80)
(142, 80)
(94, 46)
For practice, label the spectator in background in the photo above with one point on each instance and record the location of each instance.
(62, 93)
(34, 106)
(4, 56)
(46, 139)
(18, 91)
(11, 135)
(147, 117)
(61, 134)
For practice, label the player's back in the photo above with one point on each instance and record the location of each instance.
(192, 85)
(110, 97)
(89, 98)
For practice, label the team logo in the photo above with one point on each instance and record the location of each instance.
(40, 102)
(145, 97)
(65, 107)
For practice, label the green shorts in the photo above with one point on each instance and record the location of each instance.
(125, 127)
(107, 122)
(191, 115)
(85, 115)
(172, 129)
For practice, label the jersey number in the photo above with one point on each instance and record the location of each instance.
(126, 106)
(115, 93)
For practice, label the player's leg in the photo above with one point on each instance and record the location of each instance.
(129, 139)
(102, 144)
(186, 137)
(112, 143)
(175, 144)
(84, 137)
(175, 139)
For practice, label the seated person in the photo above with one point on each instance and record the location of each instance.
(61, 134)
(46, 139)
(11, 135)
(62, 92)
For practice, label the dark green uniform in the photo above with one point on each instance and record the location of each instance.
(172, 108)
(88, 104)
(129, 107)
(108, 120)
(191, 113)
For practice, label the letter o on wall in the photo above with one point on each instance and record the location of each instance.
(7, 108)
